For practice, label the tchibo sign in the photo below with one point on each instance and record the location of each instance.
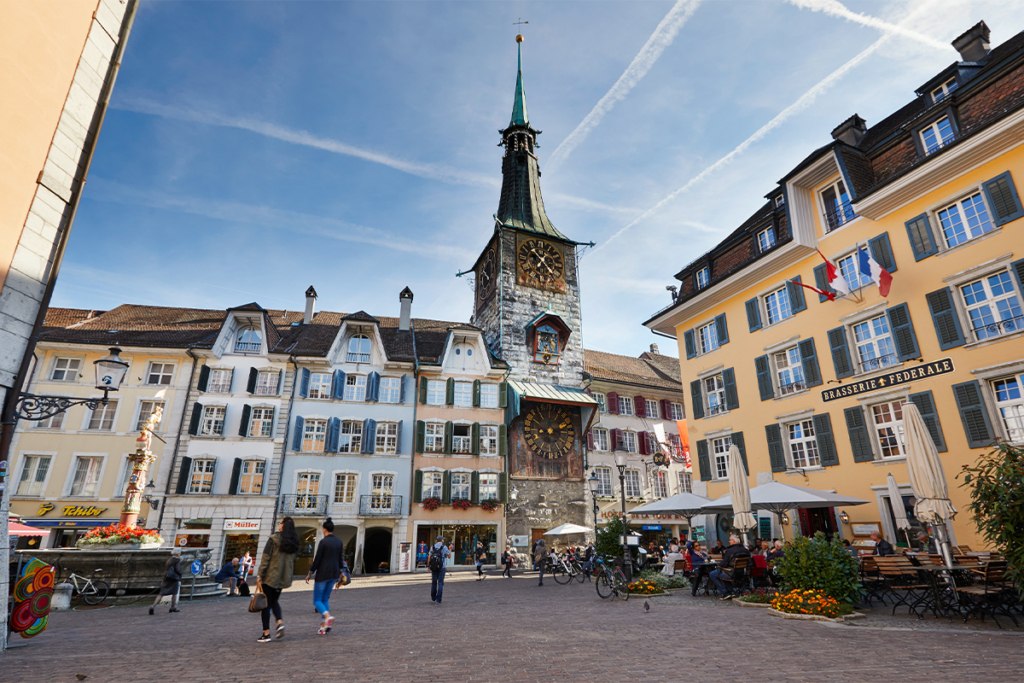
(241, 525)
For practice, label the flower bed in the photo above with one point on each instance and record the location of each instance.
(119, 534)
(461, 503)
(431, 503)
(676, 581)
(809, 602)
(644, 587)
(762, 596)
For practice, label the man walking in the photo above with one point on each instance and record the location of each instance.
(540, 557)
(506, 560)
(436, 561)
(327, 565)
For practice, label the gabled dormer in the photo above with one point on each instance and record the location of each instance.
(465, 352)
(247, 331)
(358, 341)
(546, 336)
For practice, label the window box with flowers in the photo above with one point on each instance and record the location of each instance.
(462, 503)
(490, 505)
(120, 537)
(431, 503)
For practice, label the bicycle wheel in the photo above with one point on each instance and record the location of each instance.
(578, 572)
(560, 575)
(95, 593)
(603, 585)
(621, 585)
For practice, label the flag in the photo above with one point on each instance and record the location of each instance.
(870, 268)
(684, 442)
(828, 295)
(835, 278)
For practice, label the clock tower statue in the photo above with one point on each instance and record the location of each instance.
(526, 300)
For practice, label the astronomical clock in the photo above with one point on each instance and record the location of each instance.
(540, 263)
(546, 444)
(486, 274)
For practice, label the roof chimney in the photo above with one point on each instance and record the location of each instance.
(654, 349)
(404, 317)
(973, 43)
(851, 131)
(307, 317)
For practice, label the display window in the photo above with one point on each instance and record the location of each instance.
(464, 537)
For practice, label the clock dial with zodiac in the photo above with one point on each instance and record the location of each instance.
(549, 431)
(540, 264)
(485, 275)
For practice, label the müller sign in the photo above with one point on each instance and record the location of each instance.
(893, 379)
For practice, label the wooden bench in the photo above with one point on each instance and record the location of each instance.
(902, 582)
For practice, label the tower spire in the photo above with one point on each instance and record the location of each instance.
(519, 115)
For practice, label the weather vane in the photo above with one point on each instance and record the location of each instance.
(519, 38)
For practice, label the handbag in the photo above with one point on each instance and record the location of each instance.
(172, 574)
(258, 601)
(344, 579)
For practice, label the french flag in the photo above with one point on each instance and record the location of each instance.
(835, 279)
(870, 268)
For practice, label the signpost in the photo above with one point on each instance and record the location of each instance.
(197, 569)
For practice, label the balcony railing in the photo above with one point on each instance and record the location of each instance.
(791, 388)
(380, 506)
(872, 364)
(839, 216)
(303, 504)
(352, 357)
(999, 328)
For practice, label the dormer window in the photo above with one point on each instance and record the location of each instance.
(702, 277)
(780, 200)
(546, 346)
(766, 239)
(937, 135)
(838, 210)
(358, 349)
(249, 341)
(944, 90)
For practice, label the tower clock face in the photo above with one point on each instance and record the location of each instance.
(549, 431)
(540, 264)
(485, 275)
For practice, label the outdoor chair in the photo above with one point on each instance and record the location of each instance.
(902, 582)
(872, 581)
(994, 594)
(759, 577)
(740, 579)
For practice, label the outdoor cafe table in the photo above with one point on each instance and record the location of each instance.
(946, 605)
(711, 564)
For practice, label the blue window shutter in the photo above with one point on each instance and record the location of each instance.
(300, 426)
(204, 378)
(722, 329)
(304, 384)
(401, 388)
(797, 302)
(369, 436)
(338, 384)
(903, 332)
(881, 251)
(1002, 197)
(737, 441)
(333, 434)
(243, 426)
(398, 439)
(973, 414)
(732, 399)
(696, 400)
(753, 315)
(926, 406)
(250, 386)
(764, 378)
(860, 440)
(1017, 268)
(840, 352)
(197, 416)
(821, 281)
(373, 387)
(922, 239)
(703, 460)
(231, 381)
(691, 346)
(809, 359)
(776, 454)
(945, 318)
(826, 441)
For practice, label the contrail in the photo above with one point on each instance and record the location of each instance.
(802, 103)
(662, 37)
(837, 9)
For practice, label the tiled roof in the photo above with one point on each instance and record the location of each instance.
(361, 316)
(652, 370)
(66, 317)
(132, 325)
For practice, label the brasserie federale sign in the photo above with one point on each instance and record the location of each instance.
(892, 379)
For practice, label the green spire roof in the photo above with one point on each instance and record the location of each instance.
(519, 117)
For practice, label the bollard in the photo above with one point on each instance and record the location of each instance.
(61, 600)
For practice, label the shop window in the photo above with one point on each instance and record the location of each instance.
(314, 436)
(350, 440)
(33, 475)
(250, 479)
(201, 476)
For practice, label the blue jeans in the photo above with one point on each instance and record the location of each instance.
(436, 585)
(322, 595)
(717, 577)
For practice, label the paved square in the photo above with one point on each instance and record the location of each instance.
(387, 629)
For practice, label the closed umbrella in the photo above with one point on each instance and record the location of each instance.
(898, 511)
(743, 515)
(927, 478)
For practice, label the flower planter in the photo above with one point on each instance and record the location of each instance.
(743, 603)
(118, 546)
(815, 617)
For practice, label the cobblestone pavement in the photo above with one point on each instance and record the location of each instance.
(387, 629)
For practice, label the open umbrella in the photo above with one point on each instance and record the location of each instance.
(898, 511)
(927, 478)
(684, 504)
(566, 529)
(743, 515)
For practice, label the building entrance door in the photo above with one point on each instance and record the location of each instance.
(377, 551)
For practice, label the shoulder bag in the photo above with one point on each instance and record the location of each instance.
(258, 601)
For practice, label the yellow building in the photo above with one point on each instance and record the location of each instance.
(811, 390)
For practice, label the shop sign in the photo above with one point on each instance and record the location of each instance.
(82, 511)
(69, 523)
(893, 379)
(241, 525)
(650, 527)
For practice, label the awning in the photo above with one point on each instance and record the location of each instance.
(550, 393)
(70, 523)
(15, 529)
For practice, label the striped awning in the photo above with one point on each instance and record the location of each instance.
(551, 393)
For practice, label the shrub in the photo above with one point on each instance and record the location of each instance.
(662, 581)
(807, 602)
(815, 563)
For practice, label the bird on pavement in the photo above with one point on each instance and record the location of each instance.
(647, 606)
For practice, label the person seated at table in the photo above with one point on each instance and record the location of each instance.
(882, 547)
(718, 549)
(925, 543)
(849, 548)
(764, 548)
(776, 552)
(726, 573)
(697, 559)
(755, 545)
(673, 546)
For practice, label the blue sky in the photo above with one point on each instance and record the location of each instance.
(254, 149)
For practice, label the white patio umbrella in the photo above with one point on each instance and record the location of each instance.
(898, 511)
(566, 529)
(687, 505)
(743, 515)
(927, 478)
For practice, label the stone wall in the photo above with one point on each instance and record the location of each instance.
(545, 505)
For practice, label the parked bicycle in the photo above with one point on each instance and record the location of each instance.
(610, 580)
(566, 569)
(92, 590)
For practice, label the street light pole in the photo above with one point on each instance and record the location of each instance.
(620, 464)
(593, 482)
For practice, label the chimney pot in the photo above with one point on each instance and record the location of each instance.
(405, 316)
(311, 297)
(973, 44)
(851, 131)
(654, 348)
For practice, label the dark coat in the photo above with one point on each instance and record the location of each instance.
(328, 559)
(170, 586)
(883, 548)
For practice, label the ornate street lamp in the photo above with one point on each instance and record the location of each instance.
(110, 372)
(620, 464)
(594, 483)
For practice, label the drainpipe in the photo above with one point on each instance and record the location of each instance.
(284, 445)
(415, 409)
(177, 438)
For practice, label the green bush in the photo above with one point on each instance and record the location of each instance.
(608, 538)
(661, 581)
(815, 563)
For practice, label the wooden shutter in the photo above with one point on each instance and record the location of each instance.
(503, 487)
(722, 329)
(703, 461)
(338, 384)
(369, 436)
(474, 488)
(945, 319)
(417, 485)
(421, 436)
(881, 251)
(640, 406)
(612, 399)
(304, 383)
(423, 389)
(691, 345)
(183, 474)
(809, 359)
(503, 394)
(860, 440)
(476, 393)
(776, 455)
(922, 239)
(449, 391)
(401, 388)
(243, 426)
(250, 385)
(197, 416)
(1002, 197)
(502, 440)
(925, 403)
(826, 440)
(732, 399)
(903, 332)
(666, 409)
(446, 488)
(590, 439)
(840, 352)
(398, 438)
(696, 400)
(737, 441)
(449, 433)
(821, 281)
(764, 378)
(474, 438)
(645, 443)
(300, 425)
(616, 438)
(795, 292)
(753, 315)
(333, 435)
(373, 387)
(204, 378)
(236, 472)
(973, 414)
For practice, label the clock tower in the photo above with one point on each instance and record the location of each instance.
(526, 300)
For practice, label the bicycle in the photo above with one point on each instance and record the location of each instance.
(610, 581)
(93, 591)
(566, 571)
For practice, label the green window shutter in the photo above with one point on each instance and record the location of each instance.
(502, 440)
(691, 345)
(764, 378)
(925, 403)
(703, 460)
(250, 385)
(809, 359)
(476, 393)
(204, 378)
(449, 434)
(183, 474)
(732, 399)
(903, 332)
(197, 416)
(696, 400)
(753, 315)
(243, 426)
(474, 488)
(722, 329)
(474, 439)
(881, 251)
(821, 281)
(503, 394)
(423, 389)
(795, 293)
(860, 440)
(503, 487)
(973, 414)
(417, 486)
(776, 455)
(236, 472)
(1002, 197)
(449, 391)
(737, 441)
(826, 440)
(446, 488)
(945, 319)
(922, 239)
(421, 435)
(840, 352)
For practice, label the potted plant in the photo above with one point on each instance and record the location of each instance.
(490, 505)
(431, 503)
(120, 537)
(461, 503)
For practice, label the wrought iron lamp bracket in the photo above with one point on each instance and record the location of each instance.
(37, 408)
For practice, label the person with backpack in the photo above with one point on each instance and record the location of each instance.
(436, 561)
(540, 557)
(326, 569)
(481, 557)
(507, 559)
(275, 574)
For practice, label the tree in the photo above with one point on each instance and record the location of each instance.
(608, 538)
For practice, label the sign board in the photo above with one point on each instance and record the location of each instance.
(650, 527)
(196, 567)
(699, 534)
(864, 529)
(927, 370)
(492, 547)
(764, 525)
(521, 541)
(241, 525)
(405, 557)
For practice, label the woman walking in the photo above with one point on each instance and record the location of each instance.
(275, 574)
(171, 582)
(540, 557)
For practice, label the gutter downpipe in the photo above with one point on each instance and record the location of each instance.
(177, 438)
(284, 444)
(415, 409)
(8, 418)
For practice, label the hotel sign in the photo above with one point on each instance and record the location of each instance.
(893, 379)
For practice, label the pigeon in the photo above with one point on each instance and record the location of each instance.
(81, 677)
(647, 606)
